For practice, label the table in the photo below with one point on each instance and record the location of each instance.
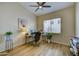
(8, 44)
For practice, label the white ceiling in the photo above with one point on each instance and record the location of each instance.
(55, 6)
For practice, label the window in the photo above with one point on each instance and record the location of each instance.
(53, 25)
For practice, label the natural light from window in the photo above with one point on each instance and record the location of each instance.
(52, 25)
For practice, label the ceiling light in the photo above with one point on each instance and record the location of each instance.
(40, 7)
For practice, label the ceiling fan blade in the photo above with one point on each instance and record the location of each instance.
(33, 6)
(46, 6)
(36, 9)
(38, 3)
(43, 3)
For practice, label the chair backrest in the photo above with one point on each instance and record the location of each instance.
(37, 34)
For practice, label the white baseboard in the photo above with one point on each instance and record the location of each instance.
(61, 43)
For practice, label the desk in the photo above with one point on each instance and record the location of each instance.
(30, 38)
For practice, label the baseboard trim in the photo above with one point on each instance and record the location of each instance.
(60, 43)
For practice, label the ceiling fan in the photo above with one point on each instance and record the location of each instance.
(40, 5)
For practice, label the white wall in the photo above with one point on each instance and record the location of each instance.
(9, 12)
(77, 19)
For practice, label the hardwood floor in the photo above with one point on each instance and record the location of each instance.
(44, 49)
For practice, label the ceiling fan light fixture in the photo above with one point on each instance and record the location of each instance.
(40, 7)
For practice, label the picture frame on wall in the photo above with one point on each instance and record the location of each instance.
(21, 22)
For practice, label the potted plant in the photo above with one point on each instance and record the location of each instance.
(8, 35)
(49, 37)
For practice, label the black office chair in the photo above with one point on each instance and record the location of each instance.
(37, 38)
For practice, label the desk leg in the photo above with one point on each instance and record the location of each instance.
(25, 40)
